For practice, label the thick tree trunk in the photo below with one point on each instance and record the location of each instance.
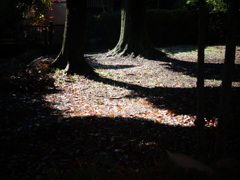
(225, 102)
(200, 122)
(133, 35)
(71, 56)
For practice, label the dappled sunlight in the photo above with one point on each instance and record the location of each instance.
(146, 89)
(185, 61)
(213, 54)
(144, 72)
(162, 91)
(88, 98)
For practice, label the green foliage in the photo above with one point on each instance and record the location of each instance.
(217, 5)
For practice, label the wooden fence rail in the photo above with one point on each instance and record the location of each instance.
(47, 34)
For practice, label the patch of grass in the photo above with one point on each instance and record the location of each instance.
(191, 50)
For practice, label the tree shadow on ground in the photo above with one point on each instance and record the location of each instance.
(183, 100)
(179, 100)
(38, 139)
(103, 66)
(211, 70)
(180, 49)
(43, 142)
(46, 144)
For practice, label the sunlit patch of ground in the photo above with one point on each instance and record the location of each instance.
(85, 97)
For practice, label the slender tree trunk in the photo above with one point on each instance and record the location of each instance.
(133, 35)
(225, 101)
(200, 122)
(71, 56)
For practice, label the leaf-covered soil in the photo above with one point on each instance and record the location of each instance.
(119, 124)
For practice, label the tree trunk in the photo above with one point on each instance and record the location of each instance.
(71, 56)
(225, 101)
(200, 122)
(133, 35)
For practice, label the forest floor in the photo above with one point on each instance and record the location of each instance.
(120, 125)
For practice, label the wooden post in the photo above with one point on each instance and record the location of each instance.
(200, 122)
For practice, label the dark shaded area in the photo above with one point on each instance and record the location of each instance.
(211, 70)
(37, 142)
(165, 28)
(102, 66)
(60, 146)
(27, 77)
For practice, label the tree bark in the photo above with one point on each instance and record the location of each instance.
(71, 56)
(133, 35)
(225, 100)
